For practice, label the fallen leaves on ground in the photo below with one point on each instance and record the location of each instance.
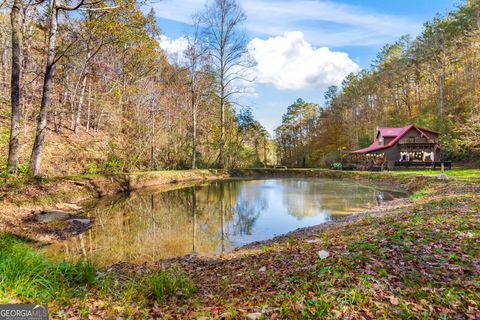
(421, 261)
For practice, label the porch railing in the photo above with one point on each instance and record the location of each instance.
(422, 164)
(416, 140)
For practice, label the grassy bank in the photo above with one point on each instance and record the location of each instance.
(420, 262)
(471, 175)
(26, 190)
(26, 275)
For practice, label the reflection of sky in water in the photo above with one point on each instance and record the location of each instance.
(273, 212)
(150, 225)
(279, 206)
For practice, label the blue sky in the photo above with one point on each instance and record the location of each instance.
(303, 46)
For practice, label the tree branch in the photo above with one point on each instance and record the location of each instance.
(70, 8)
(99, 9)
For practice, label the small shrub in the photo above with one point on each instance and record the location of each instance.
(91, 167)
(165, 284)
(113, 164)
(291, 239)
(24, 168)
(337, 166)
(330, 158)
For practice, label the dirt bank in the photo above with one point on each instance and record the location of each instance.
(22, 199)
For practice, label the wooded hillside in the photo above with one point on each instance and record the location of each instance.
(432, 81)
(86, 88)
(103, 97)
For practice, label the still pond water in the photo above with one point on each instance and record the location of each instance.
(211, 218)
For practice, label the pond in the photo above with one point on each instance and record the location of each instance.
(211, 218)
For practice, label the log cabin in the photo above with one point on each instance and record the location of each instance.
(406, 147)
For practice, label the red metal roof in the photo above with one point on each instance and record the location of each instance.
(391, 132)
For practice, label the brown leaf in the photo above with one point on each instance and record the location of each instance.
(394, 300)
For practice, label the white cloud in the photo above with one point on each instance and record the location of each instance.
(289, 62)
(324, 23)
(174, 48)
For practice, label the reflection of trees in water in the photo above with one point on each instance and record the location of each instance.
(300, 199)
(145, 226)
(238, 210)
(249, 204)
(149, 225)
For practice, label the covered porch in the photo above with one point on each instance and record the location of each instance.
(378, 161)
(422, 165)
(365, 161)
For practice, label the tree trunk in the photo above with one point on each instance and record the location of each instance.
(72, 108)
(76, 126)
(27, 31)
(152, 140)
(12, 165)
(194, 129)
(257, 151)
(222, 131)
(94, 111)
(97, 127)
(66, 92)
(441, 88)
(36, 157)
(89, 104)
(84, 73)
(264, 152)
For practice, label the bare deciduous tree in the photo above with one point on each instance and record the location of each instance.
(195, 54)
(227, 43)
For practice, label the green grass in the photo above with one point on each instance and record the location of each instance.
(422, 193)
(454, 172)
(164, 285)
(26, 275)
